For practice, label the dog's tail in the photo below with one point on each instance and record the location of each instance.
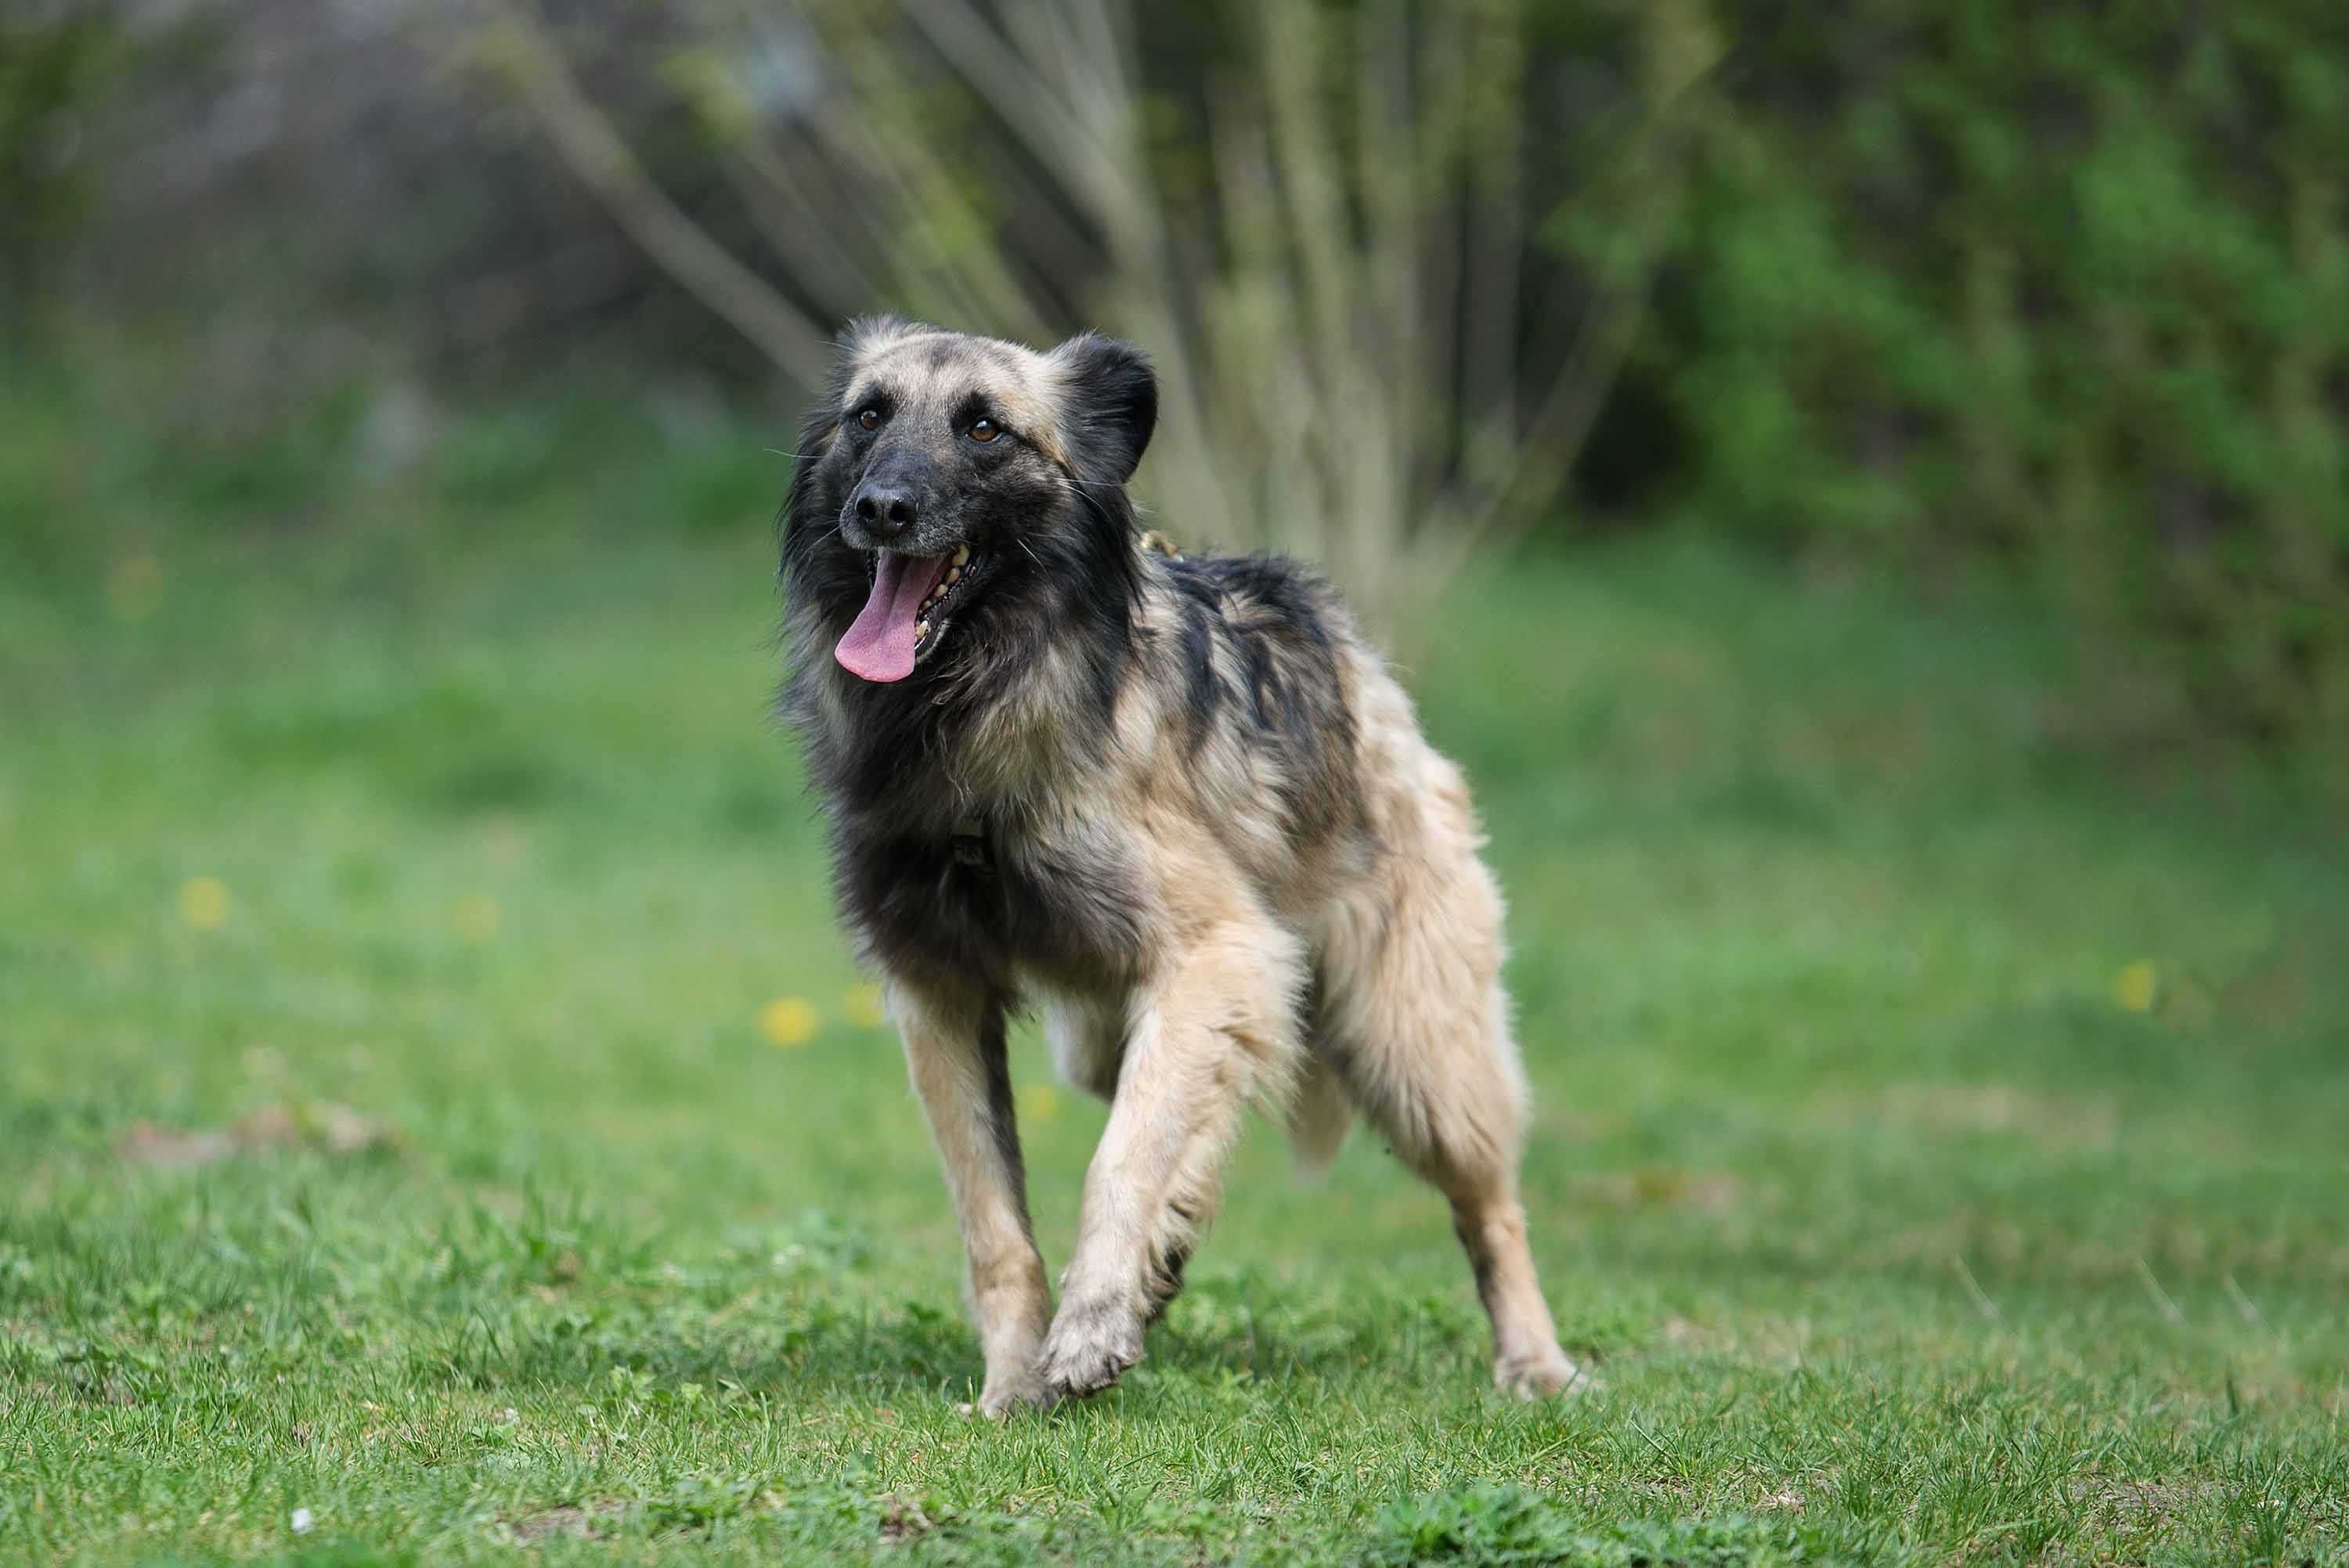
(1319, 1118)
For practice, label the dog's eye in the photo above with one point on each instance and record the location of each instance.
(985, 429)
(868, 418)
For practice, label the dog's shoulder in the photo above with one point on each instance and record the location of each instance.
(1257, 596)
(1257, 655)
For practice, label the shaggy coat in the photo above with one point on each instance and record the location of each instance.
(1179, 805)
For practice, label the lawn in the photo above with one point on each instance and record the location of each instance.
(439, 1121)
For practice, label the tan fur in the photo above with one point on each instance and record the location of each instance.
(1319, 1117)
(1026, 383)
(1009, 1297)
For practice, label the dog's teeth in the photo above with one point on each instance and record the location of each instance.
(954, 573)
(921, 630)
(961, 554)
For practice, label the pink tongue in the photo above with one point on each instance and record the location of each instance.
(880, 646)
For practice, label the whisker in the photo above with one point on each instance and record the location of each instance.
(1102, 486)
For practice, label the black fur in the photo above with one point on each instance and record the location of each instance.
(995, 1056)
(1061, 572)
(1253, 640)
(1115, 404)
(1273, 624)
(924, 912)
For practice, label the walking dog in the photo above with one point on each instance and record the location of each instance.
(1177, 805)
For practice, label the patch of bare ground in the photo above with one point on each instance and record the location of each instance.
(1957, 1109)
(901, 1522)
(2134, 1504)
(580, 1522)
(325, 1129)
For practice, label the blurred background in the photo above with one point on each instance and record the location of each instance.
(2055, 298)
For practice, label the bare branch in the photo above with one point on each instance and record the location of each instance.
(1335, 313)
(600, 156)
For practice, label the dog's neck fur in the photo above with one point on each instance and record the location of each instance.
(1000, 731)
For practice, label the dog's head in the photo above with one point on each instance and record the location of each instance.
(944, 475)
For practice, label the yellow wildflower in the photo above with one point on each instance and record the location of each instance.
(203, 903)
(789, 1021)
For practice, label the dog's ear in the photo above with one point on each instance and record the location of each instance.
(817, 433)
(1109, 406)
(850, 344)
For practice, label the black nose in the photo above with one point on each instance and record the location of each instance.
(886, 510)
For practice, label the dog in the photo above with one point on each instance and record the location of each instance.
(1176, 804)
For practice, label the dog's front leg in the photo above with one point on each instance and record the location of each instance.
(1215, 1030)
(955, 1052)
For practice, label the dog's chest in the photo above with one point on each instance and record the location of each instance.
(981, 902)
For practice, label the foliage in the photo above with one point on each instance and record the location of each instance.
(58, 63)
(2058, 286)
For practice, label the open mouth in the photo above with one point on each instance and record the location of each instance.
(905, 613)
(933, 623)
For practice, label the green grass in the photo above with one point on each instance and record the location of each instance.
(1894, 1234)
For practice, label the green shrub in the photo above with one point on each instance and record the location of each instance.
(57, 62)
(2062, 286)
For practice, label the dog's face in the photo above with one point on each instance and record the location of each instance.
(943, 466)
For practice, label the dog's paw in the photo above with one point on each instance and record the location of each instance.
(1088, 1348)
(1539, 1375)
(1003, 1395)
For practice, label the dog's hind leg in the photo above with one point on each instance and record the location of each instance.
(1447, 1093)
(1215, 1032)
(1418, 1025)
(955, 1055)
